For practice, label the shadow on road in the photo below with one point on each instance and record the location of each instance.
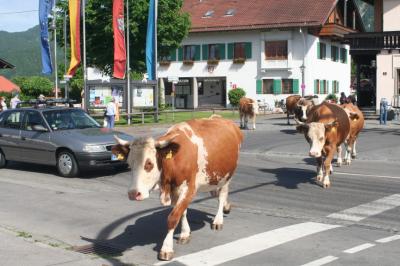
(290, 178)
(289, 131)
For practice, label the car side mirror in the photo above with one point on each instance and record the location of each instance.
(39, 128)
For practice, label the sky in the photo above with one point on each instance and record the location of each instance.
(18, 21)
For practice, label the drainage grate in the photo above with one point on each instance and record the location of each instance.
(99, 249)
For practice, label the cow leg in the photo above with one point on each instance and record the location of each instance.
(254, 122)
(167, 249)
(339, 156)
(327, 166)
(184, 237)
(246, 120)
(353, 150)
(320, 174)
(222, 202)
(348, 145)
(241, 120)
(287, 114)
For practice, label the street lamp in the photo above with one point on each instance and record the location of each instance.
(303, 85)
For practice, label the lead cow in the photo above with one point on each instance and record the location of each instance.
(248, 108)
(326, 128)
(197, 155)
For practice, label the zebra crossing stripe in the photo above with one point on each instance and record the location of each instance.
(388, 239)
(321, 261)
(250, 245)
(359, 248)
(363, 211)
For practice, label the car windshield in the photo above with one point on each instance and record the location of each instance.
(69, 119)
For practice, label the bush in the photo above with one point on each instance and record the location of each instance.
(235, 95)
(331, 97)
(34, 86)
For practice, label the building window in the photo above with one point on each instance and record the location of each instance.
(317, 89)
(214, 52)
(335, 86)
(287, 86)
(189, 52)
(343, 55)
(268, 86)
(335, 53)
(323, 87)
(321, 51)
(239, 50)
(276, 50)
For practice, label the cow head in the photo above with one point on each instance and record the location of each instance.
(254, 106)
(315, 134)
(303, 106)
(142, 158)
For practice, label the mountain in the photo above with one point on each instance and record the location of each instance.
(22, 49)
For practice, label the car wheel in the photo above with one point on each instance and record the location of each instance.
(67, 165)
(3, 161)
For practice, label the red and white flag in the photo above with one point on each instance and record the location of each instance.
(119, 39)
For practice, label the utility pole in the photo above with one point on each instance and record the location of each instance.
(128, 68)
(53, 26)
(155, 60)
(65, 54)
(85, 90)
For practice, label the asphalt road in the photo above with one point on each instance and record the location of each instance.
(280, 216)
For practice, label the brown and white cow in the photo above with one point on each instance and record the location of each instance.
(326, 128)
(356, 125)
(291, 105)
(304, 106)
(199, 155)
(248, 108)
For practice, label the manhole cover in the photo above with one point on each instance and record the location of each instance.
(99, 249)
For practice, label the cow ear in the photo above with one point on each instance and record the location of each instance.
(120, 151)
(331, 125)
(302, 128)
(165, 140)
(354, 116)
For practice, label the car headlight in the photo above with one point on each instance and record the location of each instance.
(94, 148)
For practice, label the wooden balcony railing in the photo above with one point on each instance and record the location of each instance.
(374, 40)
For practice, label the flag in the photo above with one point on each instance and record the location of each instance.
(45, 6)
(151, 42)
(75, 33)
(119, 39)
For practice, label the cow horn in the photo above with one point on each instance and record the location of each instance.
(164, 141)
(121, 141)
(299, 122)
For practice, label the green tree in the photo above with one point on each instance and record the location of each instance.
(173, 25)
(235, 95)
(32, 87)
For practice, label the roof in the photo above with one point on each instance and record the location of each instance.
(257, 14)
(4, 64)
(7, 86)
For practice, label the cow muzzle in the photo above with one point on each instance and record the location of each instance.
(314, 154)
(135, 195)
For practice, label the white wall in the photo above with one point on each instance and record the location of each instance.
(245, 75)
(391, 15)
(387, 65)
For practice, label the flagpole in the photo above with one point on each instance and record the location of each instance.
(85, 91)
(55, 48)
(128, 67)
(155, 59)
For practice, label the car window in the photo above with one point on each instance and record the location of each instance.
(12, 120)
(69, 119)
(31, 119)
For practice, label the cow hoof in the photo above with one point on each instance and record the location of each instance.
(353, 156)
(319, 178)
(326, 185)
(227, 209)
(165, 255)
(217, 227)
(183, 240)
(338, 164)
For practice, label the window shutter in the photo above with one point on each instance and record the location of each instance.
(172, 55)
(322, 86)
(295, 86)
(259, 86)
(204, 50)
(180, 54)
(316, 86)
(277, 86)
(319, 50)
(345, 55)
(333, 86)
(327, 86)
(230, 50)
(337, 86)
(197, 53)
(221, 48)
(247, 50)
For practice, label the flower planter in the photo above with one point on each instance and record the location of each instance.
(239, 60)
(165, 63)
(212, 62)
(188, 62)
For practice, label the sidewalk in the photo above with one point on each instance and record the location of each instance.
(16, 250)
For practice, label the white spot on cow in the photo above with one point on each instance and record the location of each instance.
(316, 135)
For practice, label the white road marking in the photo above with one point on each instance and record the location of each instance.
(359, 248)
(363, 211)
(364, 175)
(321, 261)
(388, 239)
(253, 244)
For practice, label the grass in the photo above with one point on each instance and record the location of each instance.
(24, 234)
(165, 118)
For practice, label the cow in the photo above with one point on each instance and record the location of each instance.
(248, 108)
(304, 106)
(326, 128)
(356, 125)
(198, 155)
(291, 105)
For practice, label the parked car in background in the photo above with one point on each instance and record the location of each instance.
(65, 137)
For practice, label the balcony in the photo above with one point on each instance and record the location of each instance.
(335, 31)
(373, 41)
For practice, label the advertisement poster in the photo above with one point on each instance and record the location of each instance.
(99, 96)
(143, 97)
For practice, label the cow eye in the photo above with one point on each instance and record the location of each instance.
(148, 165)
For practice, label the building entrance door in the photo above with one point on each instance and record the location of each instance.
(211, 92)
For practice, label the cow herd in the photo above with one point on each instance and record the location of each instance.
(201, 155)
